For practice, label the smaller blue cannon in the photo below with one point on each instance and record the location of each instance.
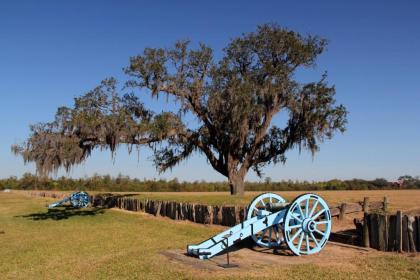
(304, 226)
(77, 200)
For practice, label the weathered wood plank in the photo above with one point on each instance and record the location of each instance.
(242, 214)
(365, 236)
(228, 216)
(404, 233)
(382, 232)
(179, 211)
(398, 232)
(392, 233)
(346, 238)
(405, 244)
(191, 213)
(335, 211)
(410, 230)
(373, 230)
(376, 205)
(217, 218)
(349, 208)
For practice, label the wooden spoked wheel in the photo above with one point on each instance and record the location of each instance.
(307, 224)
(79, 199)
(270, 237)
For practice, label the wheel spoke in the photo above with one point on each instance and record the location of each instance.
(295, 217)
(295, 235)
(307, 208)
(322, 222)
(294, 226)
(300, 211)
(314, 239)
(320, 232)
(313, 208)
(318, 214)
(308, 248)
(302, 235)
(262, 234)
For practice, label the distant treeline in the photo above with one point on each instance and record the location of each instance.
(126, 184)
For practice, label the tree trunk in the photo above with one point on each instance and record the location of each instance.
(236, 184)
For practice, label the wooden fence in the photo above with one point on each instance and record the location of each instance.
(207, 214)
(392, 233)
(226, 215)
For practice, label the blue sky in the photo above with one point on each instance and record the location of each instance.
(53, 51)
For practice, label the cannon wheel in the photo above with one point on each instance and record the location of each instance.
(269, 237)
(307, 225)
(79, 200)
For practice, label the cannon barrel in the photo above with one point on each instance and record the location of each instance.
(274, 207)
(58, 203)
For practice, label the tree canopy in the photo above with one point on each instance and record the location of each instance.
(233, 99)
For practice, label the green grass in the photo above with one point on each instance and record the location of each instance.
(108, 244)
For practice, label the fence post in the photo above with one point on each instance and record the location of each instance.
(342, 211)
(386, 202)
(366, 204)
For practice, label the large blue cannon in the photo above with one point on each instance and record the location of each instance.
(76, 199)
(304, 225)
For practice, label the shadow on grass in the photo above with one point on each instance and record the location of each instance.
(62, 213)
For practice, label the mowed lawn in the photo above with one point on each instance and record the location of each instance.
(110, 244)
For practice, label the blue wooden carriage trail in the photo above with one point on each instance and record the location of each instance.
(304, 225)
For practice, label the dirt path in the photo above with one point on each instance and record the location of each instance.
(257, 261)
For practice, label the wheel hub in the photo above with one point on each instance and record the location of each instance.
(308, 225)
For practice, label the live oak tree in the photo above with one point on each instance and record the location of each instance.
(233, 100)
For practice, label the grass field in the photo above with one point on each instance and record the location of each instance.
(110, 244)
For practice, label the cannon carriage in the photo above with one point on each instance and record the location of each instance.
(303, 225)
(76, 199)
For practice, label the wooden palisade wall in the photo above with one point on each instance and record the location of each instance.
(225, 215)
(393, 233)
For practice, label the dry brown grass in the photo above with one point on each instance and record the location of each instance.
(405, 200)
